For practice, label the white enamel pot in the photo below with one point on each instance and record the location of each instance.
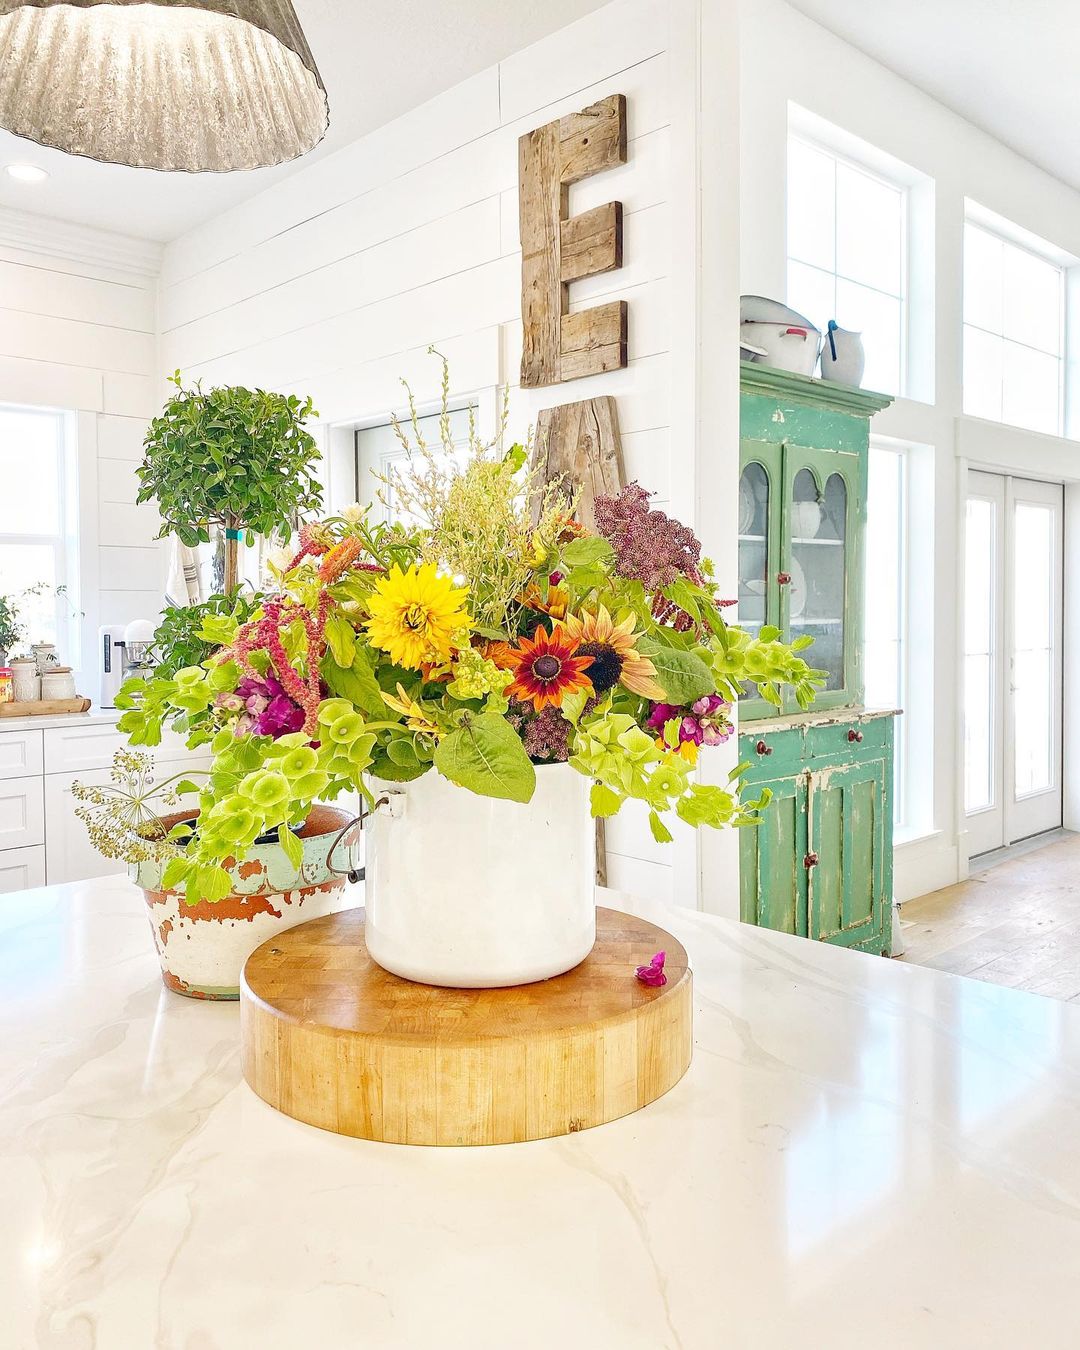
(475, 893)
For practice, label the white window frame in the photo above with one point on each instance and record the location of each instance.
(1015, 236)
(913, 804)
(65, 543)
(917, 240)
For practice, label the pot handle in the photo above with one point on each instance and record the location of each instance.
(353, 872)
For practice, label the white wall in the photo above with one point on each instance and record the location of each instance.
(335, 282)
(78, 332)
(784, 54)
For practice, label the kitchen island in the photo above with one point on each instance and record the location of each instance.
(862, 1153)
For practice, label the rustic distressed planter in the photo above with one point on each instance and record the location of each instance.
(203, 947)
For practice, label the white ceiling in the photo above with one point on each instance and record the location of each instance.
(1009, 66)
(378, 59)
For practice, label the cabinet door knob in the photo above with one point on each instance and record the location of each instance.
(763, 749)
(783, 578)
(811, 860)
(854, 735)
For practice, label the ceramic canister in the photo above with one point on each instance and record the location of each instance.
(26, 682)
(58, 683)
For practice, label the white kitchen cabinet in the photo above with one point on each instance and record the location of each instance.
(21, 869)
(22, 813)
(20, 754)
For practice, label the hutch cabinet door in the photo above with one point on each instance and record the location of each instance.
(821, 557)
(846, 808)
(760, 516)
(772, 875)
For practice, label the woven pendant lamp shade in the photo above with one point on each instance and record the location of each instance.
(210, 85)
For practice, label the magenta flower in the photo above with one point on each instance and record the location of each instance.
(706, 723)
(653, 974)
(270, 711)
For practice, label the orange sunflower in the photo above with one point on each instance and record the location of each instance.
(616, 659)
(547, 669)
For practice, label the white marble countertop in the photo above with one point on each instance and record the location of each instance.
(94, 717)
(863, 1153)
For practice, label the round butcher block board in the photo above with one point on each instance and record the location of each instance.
(331, 1038)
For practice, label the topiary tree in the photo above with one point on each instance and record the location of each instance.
(240, 459)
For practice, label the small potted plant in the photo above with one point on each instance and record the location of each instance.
(11, 630)
(486, 677)
(240, 460)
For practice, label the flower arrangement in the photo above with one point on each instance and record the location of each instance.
(488, 636)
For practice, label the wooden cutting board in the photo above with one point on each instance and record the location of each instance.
(331, 1038)
(45, 707)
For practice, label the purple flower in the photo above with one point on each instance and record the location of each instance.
(270, 711)
(547, 736)
(661, 714)
(649, 546)
(653, 974)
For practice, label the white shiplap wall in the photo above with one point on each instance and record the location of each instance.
(78, 332)
(335, 281)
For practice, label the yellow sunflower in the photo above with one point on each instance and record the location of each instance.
(615, 658)
(417, 616)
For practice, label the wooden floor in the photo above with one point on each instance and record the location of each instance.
(1016, 924)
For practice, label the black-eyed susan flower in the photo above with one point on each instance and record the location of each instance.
(616, 659)
(547, 669)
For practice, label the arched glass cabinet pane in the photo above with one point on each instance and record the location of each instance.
(819, 570)
(753, 546)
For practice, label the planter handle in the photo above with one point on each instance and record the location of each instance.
(356, 873)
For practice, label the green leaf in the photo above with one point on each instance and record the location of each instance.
(291, 846)
(660, 831)
(341, 638)
(403, 754)
(355, 682)
(485, 755)
(683, 676)
(588, 552)
(383, 767)
(603, 801)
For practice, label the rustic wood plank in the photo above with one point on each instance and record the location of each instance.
(593, 139)
(593, 341)
(557, 249)
(542, 205)
(591, 243)
(331, 1038)
(579, 442)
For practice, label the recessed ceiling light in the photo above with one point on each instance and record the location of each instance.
(26, 173)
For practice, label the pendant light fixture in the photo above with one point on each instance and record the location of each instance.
(201, 86)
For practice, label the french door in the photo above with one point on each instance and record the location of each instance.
(1012, 659)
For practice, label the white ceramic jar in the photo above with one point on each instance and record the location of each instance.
(475, 893)
(26, 681)
(58, 683)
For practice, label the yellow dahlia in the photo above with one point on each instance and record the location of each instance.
(616, 660)
(417, 616)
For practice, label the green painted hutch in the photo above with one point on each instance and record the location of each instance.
(820, 862)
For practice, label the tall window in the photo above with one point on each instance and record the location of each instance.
(1014, 327)
(38, 522)
(378, 450)
(886, 647)
(847, 250)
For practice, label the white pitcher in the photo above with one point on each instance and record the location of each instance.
(843, 358)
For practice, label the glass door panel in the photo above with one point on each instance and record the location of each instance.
(1033, 741)
(1012, 660)
(753, 546)
(818, 570)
